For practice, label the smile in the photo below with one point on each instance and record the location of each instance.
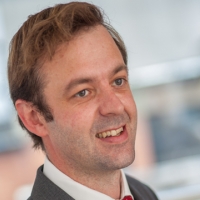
(110, 133)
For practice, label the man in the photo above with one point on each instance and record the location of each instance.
(68, 80)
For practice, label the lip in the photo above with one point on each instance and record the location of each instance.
(116, 139)
(114, 128)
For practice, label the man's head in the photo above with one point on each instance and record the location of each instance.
(37, 41)
(68, 79)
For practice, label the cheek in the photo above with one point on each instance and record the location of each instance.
(77, 119)
(132, 102)
(81, 117)
(130, 108)
(129, 103)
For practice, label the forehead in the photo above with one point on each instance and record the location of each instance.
(89, 51)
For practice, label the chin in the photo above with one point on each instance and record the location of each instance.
(127, 162)
(124, 161)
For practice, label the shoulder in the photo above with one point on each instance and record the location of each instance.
(45, 189)
(139, 190)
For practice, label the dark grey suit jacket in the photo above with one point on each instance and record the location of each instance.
(44, 189)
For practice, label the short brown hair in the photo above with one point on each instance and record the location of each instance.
(37, 41)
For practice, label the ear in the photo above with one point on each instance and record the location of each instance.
(31, 118)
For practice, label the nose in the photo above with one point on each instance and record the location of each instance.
(110, 103)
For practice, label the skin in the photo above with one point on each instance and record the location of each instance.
(88, 92)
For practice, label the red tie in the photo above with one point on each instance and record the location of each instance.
(127, 198)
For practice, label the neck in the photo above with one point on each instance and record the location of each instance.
(106, 182)
(103, 180)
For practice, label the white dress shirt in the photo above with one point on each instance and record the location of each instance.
(77, 190)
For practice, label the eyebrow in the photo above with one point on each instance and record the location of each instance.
(120, 68)
(78, 81)
(83, 80)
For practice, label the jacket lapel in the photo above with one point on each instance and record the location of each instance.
(139, 190)
(45, 189)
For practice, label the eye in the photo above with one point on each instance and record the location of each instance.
(119, 81)
(82, 93)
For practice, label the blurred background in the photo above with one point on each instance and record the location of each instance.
(163, 43)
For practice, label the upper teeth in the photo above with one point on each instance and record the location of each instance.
(110, 133)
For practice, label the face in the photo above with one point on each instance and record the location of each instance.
(94, 112)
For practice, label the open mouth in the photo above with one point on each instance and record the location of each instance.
(111, 133)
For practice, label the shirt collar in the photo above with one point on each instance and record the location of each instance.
(71, 187)
(125, 191)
